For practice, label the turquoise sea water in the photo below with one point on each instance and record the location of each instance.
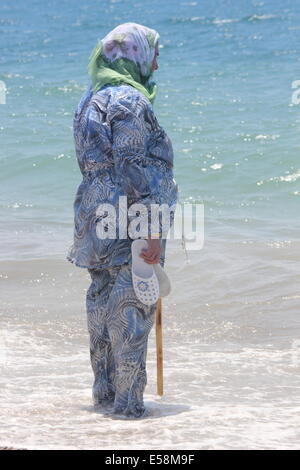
(225, 77)
(231, 324)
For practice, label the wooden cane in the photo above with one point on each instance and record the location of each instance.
(159, 348)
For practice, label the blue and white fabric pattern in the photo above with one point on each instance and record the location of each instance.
(121, 150)
(119, 325)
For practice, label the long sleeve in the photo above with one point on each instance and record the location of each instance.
(144, 176)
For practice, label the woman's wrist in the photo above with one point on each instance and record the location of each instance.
(152, 236)
(155, 236)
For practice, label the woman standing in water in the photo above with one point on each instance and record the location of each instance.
(121, 151)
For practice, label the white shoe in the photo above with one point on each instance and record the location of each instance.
(144, 280)
(150, 281)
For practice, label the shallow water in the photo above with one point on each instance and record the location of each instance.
(231, 324)
(231, 358)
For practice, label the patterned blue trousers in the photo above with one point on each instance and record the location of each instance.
(118, 325)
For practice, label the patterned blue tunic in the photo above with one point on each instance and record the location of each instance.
(121, 150)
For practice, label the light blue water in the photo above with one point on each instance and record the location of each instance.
(231, 324)
(225, 76)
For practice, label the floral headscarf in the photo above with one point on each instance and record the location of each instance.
(125, 55)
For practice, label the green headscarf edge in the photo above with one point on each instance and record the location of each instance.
(123, 70)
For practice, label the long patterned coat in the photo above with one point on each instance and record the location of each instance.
(121, 150)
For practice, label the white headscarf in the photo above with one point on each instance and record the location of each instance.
(134, 42)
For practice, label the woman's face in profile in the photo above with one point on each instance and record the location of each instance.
(154, 63)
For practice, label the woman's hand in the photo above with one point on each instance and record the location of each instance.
(151, 254)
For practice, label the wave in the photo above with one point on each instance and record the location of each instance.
(288, 178)
(220, 21)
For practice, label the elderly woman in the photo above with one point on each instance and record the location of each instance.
(121, 151)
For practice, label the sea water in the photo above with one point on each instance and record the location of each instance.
(227, 97)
